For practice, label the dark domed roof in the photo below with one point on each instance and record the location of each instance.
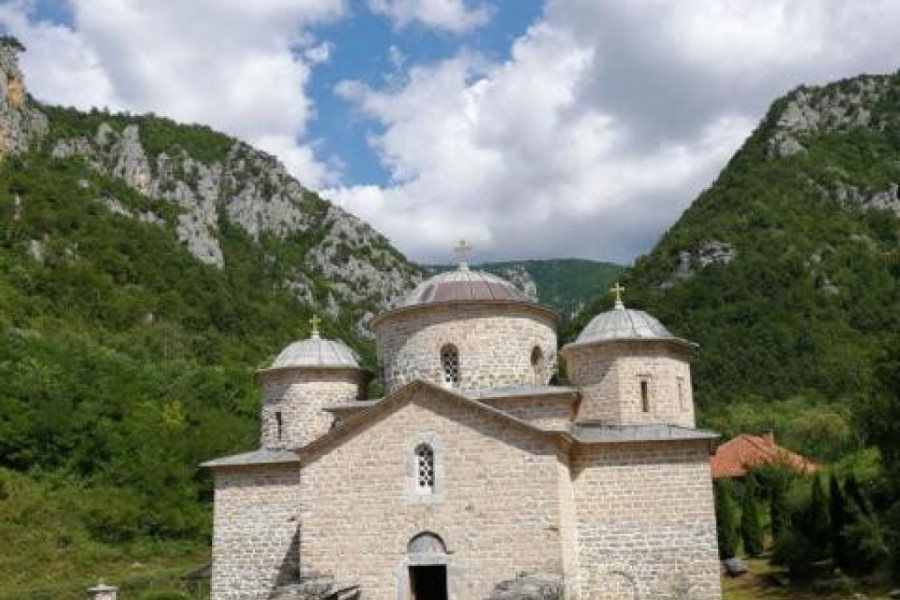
(463, 284)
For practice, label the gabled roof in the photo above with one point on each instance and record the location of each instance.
(399, 398)
(737, 456)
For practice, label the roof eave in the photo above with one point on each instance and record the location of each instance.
(272, 370)
(381, 317)
(676, 341)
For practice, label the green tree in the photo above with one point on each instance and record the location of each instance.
(816, 520)
(727, 518)
(838, 520)
(779, 512)
(752, 533)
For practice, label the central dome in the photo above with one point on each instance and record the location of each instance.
(461, 285)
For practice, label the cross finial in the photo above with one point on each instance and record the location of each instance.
(314, 321)
(462, 250)
(617, 290)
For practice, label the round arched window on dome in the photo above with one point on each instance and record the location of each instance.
(538, 365)
(450, 365)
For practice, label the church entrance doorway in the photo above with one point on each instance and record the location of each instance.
(428, 582)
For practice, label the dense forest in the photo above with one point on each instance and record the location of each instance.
(786, 272)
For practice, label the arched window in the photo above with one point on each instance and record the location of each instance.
(424, 469)
(450, 365)
(279, 426)
(537, 365)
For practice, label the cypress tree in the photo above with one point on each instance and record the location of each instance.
(817, 518)
(839, 518)
(855, 495)
(779, 512)
(751, 524)
(726, 519)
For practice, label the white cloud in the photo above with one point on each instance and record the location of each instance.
(606, 121)
(241, 67)
(450, 15)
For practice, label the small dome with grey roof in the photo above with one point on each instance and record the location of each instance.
(316, 352)
(622, 323)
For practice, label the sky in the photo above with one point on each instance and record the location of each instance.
(530, 128)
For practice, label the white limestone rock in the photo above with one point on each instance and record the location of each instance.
(863, 198)
(521, 279)
(20, 121)
(707, 254)
(832, 108)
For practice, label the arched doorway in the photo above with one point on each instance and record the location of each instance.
(427, 558)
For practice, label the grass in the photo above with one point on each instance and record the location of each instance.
(767, 582)
(137, 574)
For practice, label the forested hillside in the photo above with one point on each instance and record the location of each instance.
(146, 269)
(786, 271)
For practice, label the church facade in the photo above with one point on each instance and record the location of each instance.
(473, 469)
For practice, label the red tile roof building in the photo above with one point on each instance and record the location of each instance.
(735, 457)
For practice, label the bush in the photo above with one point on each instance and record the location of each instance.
(796, 550)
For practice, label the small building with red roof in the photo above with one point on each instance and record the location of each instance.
(737, 456)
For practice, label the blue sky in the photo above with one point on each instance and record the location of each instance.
(363, 51)
(532, 128)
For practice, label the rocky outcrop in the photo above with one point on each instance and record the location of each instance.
(255, 192)
(832, 108)
(522, 279)
(20, 121)
(705, 255)
(882, 199)
(244, 187)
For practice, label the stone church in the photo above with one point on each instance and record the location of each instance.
(475, 476)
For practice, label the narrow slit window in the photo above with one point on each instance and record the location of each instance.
(425, 469)
(537, 365)
(279, 426)
(450, 365)
(682, 398)
(645, 395)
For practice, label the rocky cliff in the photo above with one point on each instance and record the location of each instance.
(20, 121)
(208, 183)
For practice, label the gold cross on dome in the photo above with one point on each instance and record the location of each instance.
(462, 250)
(314, 321)
(617, 290)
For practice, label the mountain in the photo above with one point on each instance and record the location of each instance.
(146, 269)
(786, 269)
(566, 284)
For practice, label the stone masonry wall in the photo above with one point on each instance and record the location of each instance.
(646, 523)
(299, 395)
(256, 530)
(609, 376)
(495, 345)
(547, 412)
(495, 504)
